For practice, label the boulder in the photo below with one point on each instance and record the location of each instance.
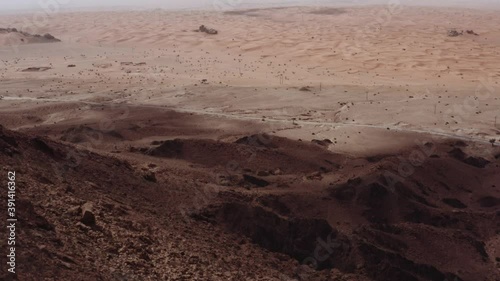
(208, 30)
(88, 216)
(454, 33)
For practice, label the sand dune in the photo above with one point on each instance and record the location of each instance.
(404, 50)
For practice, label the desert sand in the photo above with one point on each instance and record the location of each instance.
(229, 156)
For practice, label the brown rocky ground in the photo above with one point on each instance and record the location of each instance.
(246, 207)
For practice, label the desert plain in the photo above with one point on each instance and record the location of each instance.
(297, 143)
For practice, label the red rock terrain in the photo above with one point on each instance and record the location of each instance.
(257, 207)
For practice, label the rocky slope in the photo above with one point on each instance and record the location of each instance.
(257, 208)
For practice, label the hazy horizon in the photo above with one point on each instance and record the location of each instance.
(23, 5)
